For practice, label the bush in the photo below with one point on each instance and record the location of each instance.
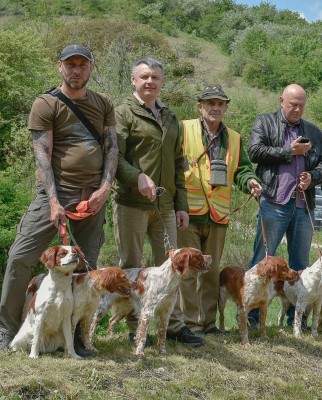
(14, 200)
(24, 71)
(314, 107)
(191, 49)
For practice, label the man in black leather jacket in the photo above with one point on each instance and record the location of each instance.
(288, 153)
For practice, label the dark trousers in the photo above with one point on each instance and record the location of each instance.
(34, 234)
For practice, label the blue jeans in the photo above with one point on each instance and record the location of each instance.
(279, 220)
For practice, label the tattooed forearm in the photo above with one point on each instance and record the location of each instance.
(110, 154)
(43, 145)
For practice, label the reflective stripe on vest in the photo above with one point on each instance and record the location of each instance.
(201, 196)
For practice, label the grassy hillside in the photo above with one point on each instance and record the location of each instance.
(277, 368)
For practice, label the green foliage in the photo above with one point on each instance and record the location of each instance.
(16, 189)
(44, 9)
(271, 57)
(241, 114)
(315, 106)
(258, 57)
(14, 200)
(268, 49)
(24, 71)
(191, 49)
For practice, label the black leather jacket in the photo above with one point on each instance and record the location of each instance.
(267, 151)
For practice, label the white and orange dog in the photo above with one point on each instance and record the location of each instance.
(154, 294)
(47, 324)
(88, 289)
(250, 289)
(305, 294)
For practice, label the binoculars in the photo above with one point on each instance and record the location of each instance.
(218, 173)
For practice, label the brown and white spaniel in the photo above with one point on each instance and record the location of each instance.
(305, 295)
(47, 324)
(88, 289)
(250, 289)
(154, 294)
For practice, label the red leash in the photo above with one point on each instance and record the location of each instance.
(63, 234)
(81, 211)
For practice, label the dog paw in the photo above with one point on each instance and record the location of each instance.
(139, 354)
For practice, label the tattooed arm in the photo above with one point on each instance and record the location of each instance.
(43, 146)
(99, 197)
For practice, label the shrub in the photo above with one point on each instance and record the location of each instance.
(14, 200)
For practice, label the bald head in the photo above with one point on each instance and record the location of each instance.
(293, 102)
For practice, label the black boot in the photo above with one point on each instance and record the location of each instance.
(79, 345)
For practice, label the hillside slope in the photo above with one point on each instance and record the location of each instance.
(212, 66)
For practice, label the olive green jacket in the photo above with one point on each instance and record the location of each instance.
(146, 146)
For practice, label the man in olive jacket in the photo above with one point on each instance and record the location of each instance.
(150, 157)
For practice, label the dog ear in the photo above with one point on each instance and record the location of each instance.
(268, 268)
(261, 267)
(105, 278)
(181, 262)
(48, 257)
(272, 270)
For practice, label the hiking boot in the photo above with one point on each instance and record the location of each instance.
(216, 331)
(5, 338)
(199, 333)
(185, 336)
(148, 341)
(79, 346)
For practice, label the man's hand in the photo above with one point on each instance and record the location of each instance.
(146, 187)
(298, 148)
(98, 198)
(255, 188)
(57, 212)
(182, 219)
(305, 180)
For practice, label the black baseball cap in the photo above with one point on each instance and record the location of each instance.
(213, 92)
(75, 50)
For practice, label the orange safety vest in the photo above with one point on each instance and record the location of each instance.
(201, 196)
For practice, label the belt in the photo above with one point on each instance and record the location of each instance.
(293, 195)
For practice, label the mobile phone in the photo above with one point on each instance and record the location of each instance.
(304, 140)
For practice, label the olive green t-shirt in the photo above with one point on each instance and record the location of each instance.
(77, 158)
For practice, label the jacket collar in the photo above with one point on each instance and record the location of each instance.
(158, 102)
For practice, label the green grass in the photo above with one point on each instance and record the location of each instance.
(279, 367)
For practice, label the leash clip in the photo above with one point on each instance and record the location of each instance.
(160, 190)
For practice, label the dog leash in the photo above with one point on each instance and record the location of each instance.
(263, 228)
(236, 209)
(166, 241)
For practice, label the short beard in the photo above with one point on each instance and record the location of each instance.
(76, 86)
